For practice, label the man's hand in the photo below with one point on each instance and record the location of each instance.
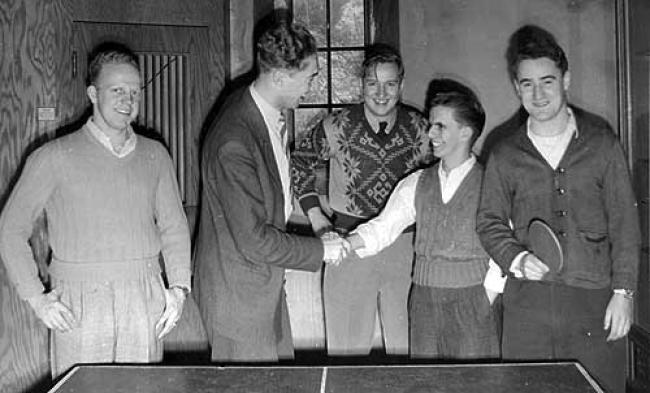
(174, 300)
(335, 248)
(54, 314)
(320, 224)
(532, 267)
(355, 242)
(618, 316)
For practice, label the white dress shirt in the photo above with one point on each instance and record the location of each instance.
(274, 122)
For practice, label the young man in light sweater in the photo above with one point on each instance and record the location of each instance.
(450, 306)
(113, 206)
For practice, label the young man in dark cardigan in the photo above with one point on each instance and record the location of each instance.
(565, 167)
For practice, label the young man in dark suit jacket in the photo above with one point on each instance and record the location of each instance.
(242, 246)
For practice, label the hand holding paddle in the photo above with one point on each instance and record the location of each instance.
(547, 251)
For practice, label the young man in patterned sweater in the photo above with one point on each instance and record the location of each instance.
(450, 315)
(369, 147)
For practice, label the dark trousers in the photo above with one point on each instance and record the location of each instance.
(452, 323)
(547, 321)
(267, 348)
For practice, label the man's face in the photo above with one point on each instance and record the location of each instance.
(382, 89)
(297, 83)
(115, 96)
(447, 135)
(542, 88)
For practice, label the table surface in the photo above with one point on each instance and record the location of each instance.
(479, 378)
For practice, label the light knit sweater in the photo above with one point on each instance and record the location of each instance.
(102, 211)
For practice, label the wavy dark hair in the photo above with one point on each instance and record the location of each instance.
(533, 42)
(284, 45)
(467, 108)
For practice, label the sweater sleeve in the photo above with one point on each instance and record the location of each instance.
(310, 157)
(25, 204)
(399, 213)
(493, 218)
(623, 221)
(172, 223)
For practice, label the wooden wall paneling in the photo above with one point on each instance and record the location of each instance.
(34, 38)
(36, 71)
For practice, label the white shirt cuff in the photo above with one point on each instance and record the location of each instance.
(515, 267)
(495, 281)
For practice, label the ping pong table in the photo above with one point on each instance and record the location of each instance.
(479, 378)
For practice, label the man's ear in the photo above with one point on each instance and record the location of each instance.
(516, 85)
(91, 91)
(278, 78)
(466, 133)
(566, 80)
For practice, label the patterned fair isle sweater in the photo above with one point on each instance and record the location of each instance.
(364, 165)
(101, 209)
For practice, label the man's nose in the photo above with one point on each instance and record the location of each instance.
(538, 92)
(381, 90)
(432, 131)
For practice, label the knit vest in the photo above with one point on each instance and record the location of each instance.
(448, 252)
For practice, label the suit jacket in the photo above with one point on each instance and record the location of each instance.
(242, 248)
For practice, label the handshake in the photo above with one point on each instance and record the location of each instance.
(336, 248)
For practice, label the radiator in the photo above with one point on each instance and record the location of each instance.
(165, 106)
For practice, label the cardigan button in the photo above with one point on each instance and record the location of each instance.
(561, 213)
(561, 170)
(561, 191)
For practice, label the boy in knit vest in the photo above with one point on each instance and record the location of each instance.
(450, 308)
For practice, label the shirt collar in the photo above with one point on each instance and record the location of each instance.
(462, 168)
(104, 140)
(374, 122)
(571, 125)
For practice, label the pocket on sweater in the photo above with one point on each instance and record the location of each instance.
(595, 253)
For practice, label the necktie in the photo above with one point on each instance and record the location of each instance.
(382, 126)
(283, 134)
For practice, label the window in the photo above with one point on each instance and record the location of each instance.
(340, 29)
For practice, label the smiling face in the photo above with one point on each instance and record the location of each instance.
(542, 89)
(450, 139)
(115, 97)
(382, 89)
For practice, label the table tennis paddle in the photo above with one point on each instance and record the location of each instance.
(545, 245)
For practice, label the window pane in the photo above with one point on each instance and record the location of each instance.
(318, 92)
(305, 119)
(311, 13)
(346, 76)
(347, 27)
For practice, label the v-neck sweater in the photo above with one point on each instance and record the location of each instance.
(102, 210)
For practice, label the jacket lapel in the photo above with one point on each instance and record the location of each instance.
(258, 128)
